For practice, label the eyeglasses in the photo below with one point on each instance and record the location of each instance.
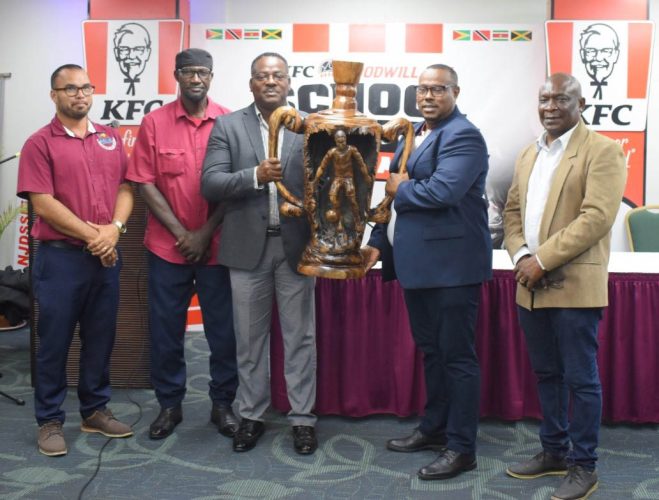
(72, 90)
(189, 73)
(262, 77)
(125, 51)
(435, 90)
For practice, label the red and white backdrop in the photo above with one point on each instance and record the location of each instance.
(500, 67)
(130, 59)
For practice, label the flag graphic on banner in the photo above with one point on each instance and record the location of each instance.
(271, 34)
(214, 34)
(233, 34)
(462, 35)
(500, 35)
(521, 36)
(480, 35)
(252, 34)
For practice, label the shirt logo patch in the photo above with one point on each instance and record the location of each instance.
(106, 141)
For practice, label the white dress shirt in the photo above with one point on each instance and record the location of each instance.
(542, 176)
(418, 139)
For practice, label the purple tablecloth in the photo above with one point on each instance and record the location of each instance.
(368, 364)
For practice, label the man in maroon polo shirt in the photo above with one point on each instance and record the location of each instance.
(72, 171)
(182, 235)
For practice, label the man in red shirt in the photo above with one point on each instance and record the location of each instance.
(72, 171)
(182, 235)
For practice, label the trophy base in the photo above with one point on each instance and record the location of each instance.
(333, 271)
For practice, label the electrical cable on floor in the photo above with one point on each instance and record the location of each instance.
(143, 324)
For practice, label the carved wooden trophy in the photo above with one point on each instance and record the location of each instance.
(341, 147)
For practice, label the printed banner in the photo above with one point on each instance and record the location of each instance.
(131, 64)
(500, 69)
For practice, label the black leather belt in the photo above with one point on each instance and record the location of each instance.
(65, 245)
(273, 231)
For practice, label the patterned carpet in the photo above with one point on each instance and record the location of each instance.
(351, 463)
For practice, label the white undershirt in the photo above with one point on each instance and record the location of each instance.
(540, 181)
(418, 139)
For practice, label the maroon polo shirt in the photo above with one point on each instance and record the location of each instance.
(83, 174)
(169, 153)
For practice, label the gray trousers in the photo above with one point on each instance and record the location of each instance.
(252, 293)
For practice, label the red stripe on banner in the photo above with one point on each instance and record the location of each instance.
(132, 9)
(639, 45)
(424, 38)
(601, 9)
(311, 38)
(559, 47)
(366, 38)
(633, 145)
(169, 34)
(96, 54)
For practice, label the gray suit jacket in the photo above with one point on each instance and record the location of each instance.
(235, 148)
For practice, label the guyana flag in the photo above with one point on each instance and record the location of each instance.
(462, 35)
(214, 34)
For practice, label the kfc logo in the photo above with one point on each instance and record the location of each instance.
(131, 64)
(612, 62)
(600, 49)
(132, 49)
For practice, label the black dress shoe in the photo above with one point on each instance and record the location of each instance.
(449, 464)
(248, 433)
(222, 416)
(417, 441)
(164, 424)
(304, 439)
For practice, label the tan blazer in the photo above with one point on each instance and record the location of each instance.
(575, 229)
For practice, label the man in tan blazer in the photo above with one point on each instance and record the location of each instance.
(562, 203)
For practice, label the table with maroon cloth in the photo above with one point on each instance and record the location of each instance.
(368, 364)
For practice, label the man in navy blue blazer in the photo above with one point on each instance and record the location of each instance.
(438, 246)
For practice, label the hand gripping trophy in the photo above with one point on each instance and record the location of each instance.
(341, 148)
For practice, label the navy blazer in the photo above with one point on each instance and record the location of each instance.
(441, 237)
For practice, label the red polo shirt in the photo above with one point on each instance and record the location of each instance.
(169, 153)
(83, 174)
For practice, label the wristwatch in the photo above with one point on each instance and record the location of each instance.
(120, 226)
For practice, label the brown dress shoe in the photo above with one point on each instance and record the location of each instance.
(51, 439)
(103, 421)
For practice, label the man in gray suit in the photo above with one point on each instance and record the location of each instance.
(261, 248)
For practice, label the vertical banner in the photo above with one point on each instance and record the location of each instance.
(21, 240)
(500, 69)
(611, 60)
(131, 63)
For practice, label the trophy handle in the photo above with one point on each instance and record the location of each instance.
(391, 130)
(291, 119)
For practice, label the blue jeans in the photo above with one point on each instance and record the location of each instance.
(72, 287)
(443, 323)
(171, 287)
(562, 345)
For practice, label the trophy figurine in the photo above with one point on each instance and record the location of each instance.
(341, 147)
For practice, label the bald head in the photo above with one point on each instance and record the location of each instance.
(560, 104)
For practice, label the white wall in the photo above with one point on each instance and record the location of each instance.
(36, 36)
(39, 35)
